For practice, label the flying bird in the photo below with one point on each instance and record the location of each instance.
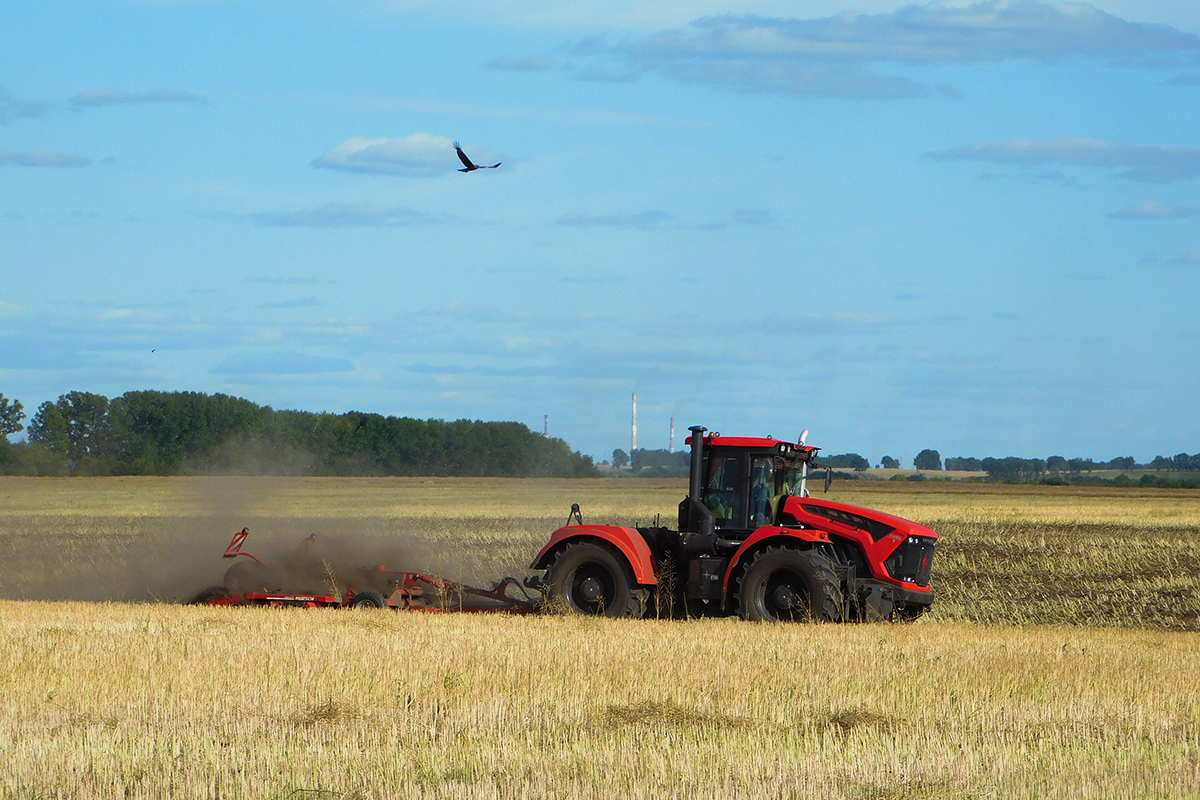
(468, 164)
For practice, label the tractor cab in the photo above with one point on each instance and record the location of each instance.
(742, 481)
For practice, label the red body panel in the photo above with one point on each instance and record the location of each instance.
(717, 440)
(876, 552)
(769, 532)
(627, 540)
(276, 599)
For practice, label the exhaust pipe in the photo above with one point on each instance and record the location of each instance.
(696, 487)
(699, 518)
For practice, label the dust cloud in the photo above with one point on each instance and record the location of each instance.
(174, 558)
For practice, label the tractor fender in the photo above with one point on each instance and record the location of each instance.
(628, 541)
(770, 533)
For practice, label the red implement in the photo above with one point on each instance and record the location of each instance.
(374, 587)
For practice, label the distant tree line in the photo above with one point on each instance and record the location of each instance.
(644, 463)
(1055, 469)
(176, 433)
(661, 463)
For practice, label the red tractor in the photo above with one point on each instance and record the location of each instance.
(750, 541)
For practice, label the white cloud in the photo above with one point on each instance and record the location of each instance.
(298, 302)
(121, 97)
(656, 219)
(11, 109)
(1152, 210)
(342, 215)
(831, 55)
(288, 362)
(787, 77)
(414, 155)
(1186, 258)
(43, 158)
(1145, 163)
(12, 310)
(536, 63)
(642, 221)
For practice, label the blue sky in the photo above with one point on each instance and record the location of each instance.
(967, 226)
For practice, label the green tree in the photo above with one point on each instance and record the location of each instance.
(889, 463)
(928, 460)
(846, 461)
(11, 414)
(620, 458)
(75, 427)
(964, 464)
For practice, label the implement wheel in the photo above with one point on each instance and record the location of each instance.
(211, 593)
(786, 584)
(368, 599)
(591, 579)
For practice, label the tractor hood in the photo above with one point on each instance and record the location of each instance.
(831, 515)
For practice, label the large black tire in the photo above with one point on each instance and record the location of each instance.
(211, 593)
(592, 579)
(786, 584)
(368, 599)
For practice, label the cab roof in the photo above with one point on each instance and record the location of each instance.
(756, 442)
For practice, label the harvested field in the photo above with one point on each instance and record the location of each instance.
(146, 701)
(1008, 554)
(1058, 661)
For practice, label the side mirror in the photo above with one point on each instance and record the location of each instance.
(828, 478)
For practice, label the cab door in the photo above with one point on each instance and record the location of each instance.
(725, 488)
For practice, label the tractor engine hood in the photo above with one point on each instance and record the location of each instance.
(821, 513)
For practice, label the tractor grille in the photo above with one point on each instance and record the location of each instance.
(912, 560)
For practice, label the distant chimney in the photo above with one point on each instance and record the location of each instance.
(671, 447)
(633, 438)
(546, 426)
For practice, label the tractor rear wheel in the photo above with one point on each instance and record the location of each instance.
(591, 579)
(368, 599)
(786, 584)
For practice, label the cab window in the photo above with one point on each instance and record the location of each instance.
(763, 497)
(721, 492)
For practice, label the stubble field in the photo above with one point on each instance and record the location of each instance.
(1058, 661)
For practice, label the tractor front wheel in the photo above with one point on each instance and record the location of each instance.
(786, 584)
(591, 579)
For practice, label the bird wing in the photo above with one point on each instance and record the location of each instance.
(493, 166)
(463, 157)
